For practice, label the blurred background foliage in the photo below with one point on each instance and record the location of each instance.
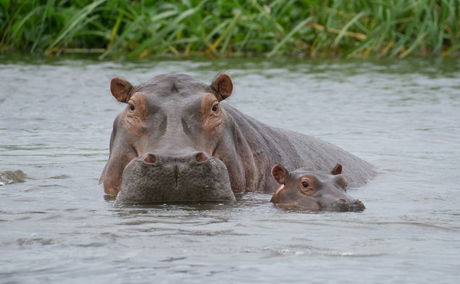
(311, 28)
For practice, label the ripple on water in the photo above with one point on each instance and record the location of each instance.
(60, 177)
(33, 241)
(312, 251)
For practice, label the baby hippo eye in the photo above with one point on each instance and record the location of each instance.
(305, 184)
(215, 108)
(131, 107)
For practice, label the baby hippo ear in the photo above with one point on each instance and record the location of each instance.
(280, 173)
(340, 180)
(337, 170)
(121, 89)
(222, 86)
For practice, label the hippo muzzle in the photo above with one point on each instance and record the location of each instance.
(154, 178)
(343, 205)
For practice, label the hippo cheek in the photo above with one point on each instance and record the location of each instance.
(307, 203)
(147, 182)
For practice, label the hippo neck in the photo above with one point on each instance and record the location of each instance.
(258, 147)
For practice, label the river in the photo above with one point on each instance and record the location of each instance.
(403, 116)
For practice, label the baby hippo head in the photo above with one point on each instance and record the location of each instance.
(313, 190)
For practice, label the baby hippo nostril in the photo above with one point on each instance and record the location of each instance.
(150, 158)
(201, 157)
(358, 205)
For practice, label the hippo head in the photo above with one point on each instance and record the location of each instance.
(163, 144)
(313, 190)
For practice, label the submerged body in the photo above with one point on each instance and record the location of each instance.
(177, 142)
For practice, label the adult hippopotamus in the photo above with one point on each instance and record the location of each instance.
(313, 190)
(176, 141)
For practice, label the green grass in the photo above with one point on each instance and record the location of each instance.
(313, 28)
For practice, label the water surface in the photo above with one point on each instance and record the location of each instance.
(402, 116)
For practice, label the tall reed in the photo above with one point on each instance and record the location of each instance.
(359, 28)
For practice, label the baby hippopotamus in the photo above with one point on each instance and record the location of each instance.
(313, 190)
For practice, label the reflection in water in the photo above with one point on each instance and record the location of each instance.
(402, 116)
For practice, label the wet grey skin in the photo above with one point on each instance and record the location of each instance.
(177, 141)
(186, 179)
(313, 190)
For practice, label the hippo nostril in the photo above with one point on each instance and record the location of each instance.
(201, 157)
(150, 158)
(342, 201)
(358, 205)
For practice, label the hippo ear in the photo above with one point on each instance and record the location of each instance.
(280, 173)
(222, 86)
(337, 170)
(340, 180)
(121, 89)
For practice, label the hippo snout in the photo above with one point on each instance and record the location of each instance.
(196, 157)
(160, 178)
(343, 205)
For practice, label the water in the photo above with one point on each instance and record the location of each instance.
(402, 116)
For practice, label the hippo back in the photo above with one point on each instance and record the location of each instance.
(272, 145)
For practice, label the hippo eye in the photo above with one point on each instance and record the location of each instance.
(215, 108)
(305, 184)
(131, 107)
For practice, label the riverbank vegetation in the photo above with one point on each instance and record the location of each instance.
(311, 28)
